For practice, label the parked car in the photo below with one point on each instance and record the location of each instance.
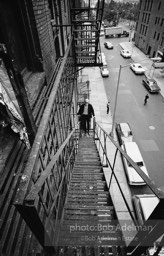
(102, 59)
(137, 68)
(125, 53)
(124, 133)
(108, 45)
(150, 84)
(104, 71)
(144, 205)
(132, 150)
(102, 33)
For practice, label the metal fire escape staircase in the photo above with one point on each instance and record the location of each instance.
(86, 22)
(88, 209)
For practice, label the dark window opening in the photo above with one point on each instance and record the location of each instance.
(158, 36)
(159, 6)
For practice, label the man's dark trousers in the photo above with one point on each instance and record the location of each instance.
(85, 123)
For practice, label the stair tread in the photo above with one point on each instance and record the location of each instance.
(96, 208)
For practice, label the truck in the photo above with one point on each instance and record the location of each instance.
(115, 31)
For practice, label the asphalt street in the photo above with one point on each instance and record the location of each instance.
(147, 122)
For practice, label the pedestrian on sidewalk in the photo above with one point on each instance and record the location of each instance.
(146, 99)
(107, 107)
(86, 112)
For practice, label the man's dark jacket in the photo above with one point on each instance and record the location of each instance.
(90, 110)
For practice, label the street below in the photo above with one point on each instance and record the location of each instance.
(146, 121)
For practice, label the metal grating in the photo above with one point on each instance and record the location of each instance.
(86, 20)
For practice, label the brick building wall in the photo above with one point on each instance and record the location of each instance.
(43, 23)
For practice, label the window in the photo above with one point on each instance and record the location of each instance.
(146, 30)
(158, 36)
(156, 20)
(151, 5)
(154, 35)
(65, 7)
(159, 6)
(162, 22)
(148, 19)
(143, 29)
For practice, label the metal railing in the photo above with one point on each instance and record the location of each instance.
(142, 238)
(44, 203)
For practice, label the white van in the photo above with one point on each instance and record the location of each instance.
(132, 150)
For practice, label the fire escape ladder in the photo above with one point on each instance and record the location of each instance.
(86, 21)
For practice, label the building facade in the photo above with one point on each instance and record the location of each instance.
(149, 35)
(43, 46)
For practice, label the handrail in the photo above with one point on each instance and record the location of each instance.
(36, 187)
(148, 181)
(112, 167)
(141, 239)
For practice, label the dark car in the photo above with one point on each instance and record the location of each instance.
(151, 84)
(108, 45)
(124, 133)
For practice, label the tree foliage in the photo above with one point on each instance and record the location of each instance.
(114, 11)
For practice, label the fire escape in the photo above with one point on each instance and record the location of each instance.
(86, 20)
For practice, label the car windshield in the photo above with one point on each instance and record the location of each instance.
(139, 66)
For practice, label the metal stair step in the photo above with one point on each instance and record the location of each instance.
(86, 164)
(105, 195)
(87, 170)
(88, 192)
(88, 180)
(87, 217)
(94, 208)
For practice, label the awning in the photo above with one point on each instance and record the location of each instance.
(11, 116)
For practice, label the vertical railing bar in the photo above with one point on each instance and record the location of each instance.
(129, 210)
(51, 135)
(49, 188)
(43, 204)
(48, 150)
(113, 167)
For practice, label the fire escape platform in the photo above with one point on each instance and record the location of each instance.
(86, 22)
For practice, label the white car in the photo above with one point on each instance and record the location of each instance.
(144, 205)
(124, 133)
(125, 54)
(104, 71)
(102, 59)
(132, 150)
(137, 68)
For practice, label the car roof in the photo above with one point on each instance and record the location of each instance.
(125, 126)
(148, 204)
(133, 151)
(125, 51)
(137, 64)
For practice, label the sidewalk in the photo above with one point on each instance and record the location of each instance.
(139, 57)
